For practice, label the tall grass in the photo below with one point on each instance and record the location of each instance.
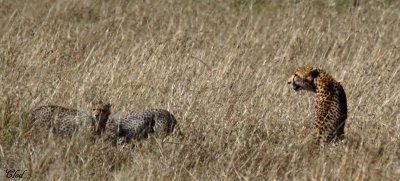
(221, 69)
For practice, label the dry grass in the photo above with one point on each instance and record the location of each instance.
(220, 68)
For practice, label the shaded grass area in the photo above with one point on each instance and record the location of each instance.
(220, 69)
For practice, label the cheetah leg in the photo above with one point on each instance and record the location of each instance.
(318, 138)
(340, 131)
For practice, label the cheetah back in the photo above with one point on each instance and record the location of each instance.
(62, 120)
(138, 125)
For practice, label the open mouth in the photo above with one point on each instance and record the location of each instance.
(296, 88)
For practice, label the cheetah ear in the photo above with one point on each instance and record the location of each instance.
(314, 73)
(92, 103)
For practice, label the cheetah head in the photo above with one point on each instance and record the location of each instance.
(100, 113)
(303, 79)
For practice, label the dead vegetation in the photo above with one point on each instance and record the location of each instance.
(220, 68)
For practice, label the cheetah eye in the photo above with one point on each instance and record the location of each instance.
(93, 109)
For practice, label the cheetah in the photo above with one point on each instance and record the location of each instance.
(100, 114)
(330, 103)
(64, 121)
(138, 125)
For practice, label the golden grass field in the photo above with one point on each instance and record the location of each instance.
(220, 67)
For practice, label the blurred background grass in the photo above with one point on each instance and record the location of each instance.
(220, 67)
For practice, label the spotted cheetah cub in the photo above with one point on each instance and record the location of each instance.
(64, 121)
(138, 125)
(100, 114)
(330, 103)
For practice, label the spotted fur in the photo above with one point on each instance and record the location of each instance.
(65, 121)
(100, 114)
(138, 125)
(330, 102)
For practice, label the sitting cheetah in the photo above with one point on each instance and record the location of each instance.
(330, 102)
(64, 121)
(138, 125)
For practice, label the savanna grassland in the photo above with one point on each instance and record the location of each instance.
(221, 67)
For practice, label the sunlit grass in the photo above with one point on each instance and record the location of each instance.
(220, 69)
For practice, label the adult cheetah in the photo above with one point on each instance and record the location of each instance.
(65, 121)
(330, 102)
(138, 125)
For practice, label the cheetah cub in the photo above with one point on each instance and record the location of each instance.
(100, 114)
(138, 125)
(64, 121)
(330, 103)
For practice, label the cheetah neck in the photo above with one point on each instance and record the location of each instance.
(322, 81)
